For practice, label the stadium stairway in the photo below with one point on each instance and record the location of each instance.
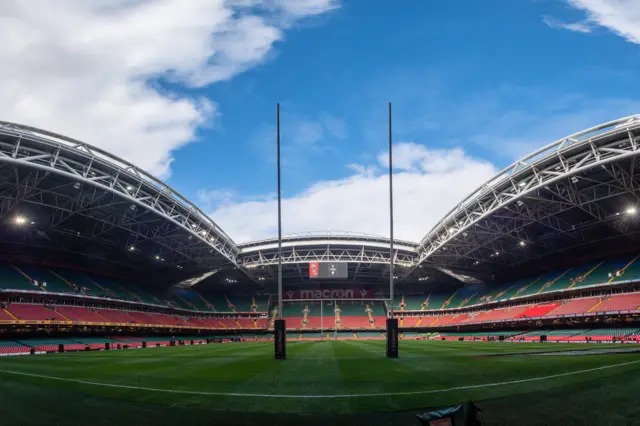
(206, 302)
(617, 275)
(66, 318)
(602, 299)
(575, 306)
(29, 279)
(337, 319)
(274, 315)
(425, 304)
(229, 304)
(84, 284)
(305, 317)
(549, 284)
(619, 302)
(74, 288)
(433, 322)
(118, 289)
(7, 316)
(601, 274)
(468, 300)
(369, 311)
(524, 290)
(43, 275)
(448, 301)
(581, 278)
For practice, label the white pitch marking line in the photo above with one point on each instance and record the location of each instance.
(355, 395)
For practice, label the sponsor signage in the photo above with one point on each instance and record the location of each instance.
(349, 293)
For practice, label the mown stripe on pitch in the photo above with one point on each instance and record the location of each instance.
(355, 395)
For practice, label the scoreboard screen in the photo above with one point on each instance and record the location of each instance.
(328, 270)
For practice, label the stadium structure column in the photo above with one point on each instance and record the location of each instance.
(280, 335)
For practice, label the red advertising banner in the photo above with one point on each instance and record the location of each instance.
(349, 293)
(314, 271)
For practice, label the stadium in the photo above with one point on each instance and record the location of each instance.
(120, 300)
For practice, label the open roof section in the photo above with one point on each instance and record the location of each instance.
(368, 256)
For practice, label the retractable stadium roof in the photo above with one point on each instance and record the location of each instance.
(72, 203)
(574, 198)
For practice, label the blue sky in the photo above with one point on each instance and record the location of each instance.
(474, 85)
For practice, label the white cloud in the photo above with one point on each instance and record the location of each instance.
(620, 16)
(91, 69)
(580, 27)
(305, 7)
(427, 184)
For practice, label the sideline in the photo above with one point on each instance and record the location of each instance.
(343, 396)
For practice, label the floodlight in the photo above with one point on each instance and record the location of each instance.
(631, 211)
(522, 244)
(20, 220)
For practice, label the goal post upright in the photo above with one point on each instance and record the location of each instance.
(392, 322)
(279, 215)
(280, 338)
(391, 266)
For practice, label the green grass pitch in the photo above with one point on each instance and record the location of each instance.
(329, 383)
